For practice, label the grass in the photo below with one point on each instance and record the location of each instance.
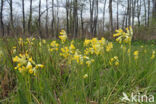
(62, 83)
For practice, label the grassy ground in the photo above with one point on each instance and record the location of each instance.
(62, 82)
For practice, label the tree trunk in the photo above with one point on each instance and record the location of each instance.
(110, 15)
(57, 28)
(75, 17)
(96, 19)
(104, 7)
(67, 15)
(133, 11)
(23, 13)
(117, 14)
(47, 18)
(138, 10)
(148, 12)
(11, 15)
(1, 18)
(129, 12)
(154, 9)
(30, 18)
(145, 11)
(91, 15)
(53, 19)
(39, 18)
(82, 19)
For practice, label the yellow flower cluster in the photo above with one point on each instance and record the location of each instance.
(53, 46)
(95, 46)
(114, 61)
(109, 46)
(122, 36)
(85, 76)
(78, 57)
(20, 41)
(70, 53)
(29, 41)
(63, 36)
(26, 64)
(136, 55)
(153, 55)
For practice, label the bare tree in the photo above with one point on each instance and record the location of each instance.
(81, 13)
(67, 15)
(47, 17)
(91, 15)
(96, 18)
(39, 18)
(1, 18)
(129, 11)
(11, 13)
(23, 13)
(30, 18)
(145, 11)
(154, 9)
(104, 11)
(58, 19)
(133, 11)
(117, 14)
(138, 11)
(75, 17)
(148, 11)
(53, 18)
(110, 16)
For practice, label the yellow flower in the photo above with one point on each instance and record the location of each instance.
(136, 53)
(89, 62)
(53, 46)
(20, 69)
(44, 41)
(86, 42)
(29, 65)
(16, 59)
(109, 46)
(26, 64)
(114, 61)
(15, 68)
(40, 65)
(31, 71)
(153, 55)
(63, 36)
(85, 76)
(122, 36)
(30, 59)
(19, 65)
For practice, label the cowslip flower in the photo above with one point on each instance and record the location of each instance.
(53, 46)
(86, 42)
(109, 46)
(25, 64)
(63, 36)
(20, 41)
(153, 55)
(89, 62)
(122, 36)
(85, 76)
(136, 53)
(95, 46)
(114, 61)
(78, 57)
